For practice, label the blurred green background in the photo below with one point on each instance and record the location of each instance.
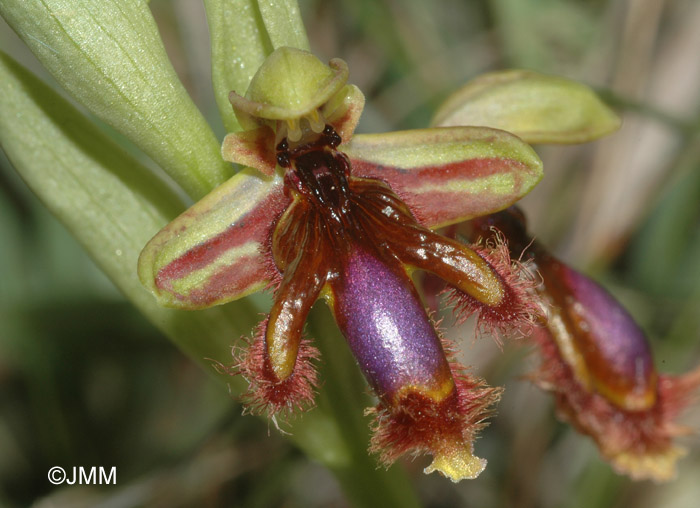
(86, 381)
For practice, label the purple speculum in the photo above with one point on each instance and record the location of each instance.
(386, 327)
(619, 339)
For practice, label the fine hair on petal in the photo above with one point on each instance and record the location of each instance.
(520, 309)
(268, 395)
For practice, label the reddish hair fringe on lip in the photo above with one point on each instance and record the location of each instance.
(637, 443)
(418, 424)
(266, 394)
(519, 311)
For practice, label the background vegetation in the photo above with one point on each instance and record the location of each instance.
(85, 380)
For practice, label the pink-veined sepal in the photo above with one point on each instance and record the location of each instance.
(448, 175)
(214, 252)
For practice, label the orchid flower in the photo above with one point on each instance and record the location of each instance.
(598, 364)
(320, 213)
(327, 214)
(595, 358)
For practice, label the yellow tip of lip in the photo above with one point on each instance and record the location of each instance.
(658, 467)
(457, 464)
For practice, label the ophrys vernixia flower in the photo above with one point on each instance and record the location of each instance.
(346, 218)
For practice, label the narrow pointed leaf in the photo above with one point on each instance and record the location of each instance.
(213, 253)
(239, 45)
(451, 174)
(536, 107)
(284, 24)
(109, 56)
(109, 202)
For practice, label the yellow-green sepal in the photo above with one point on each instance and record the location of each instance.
(536, 107)
(289, 85)
(109, 56)
(450, 174)
(215, 251)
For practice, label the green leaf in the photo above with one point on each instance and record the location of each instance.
(243, 34)
(284, 24)
(105, 198)
(536, 107)
(239, 45)
(109, 56)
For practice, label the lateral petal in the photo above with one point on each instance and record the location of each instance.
(449, 174)
(251, 148)
(214, 252)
